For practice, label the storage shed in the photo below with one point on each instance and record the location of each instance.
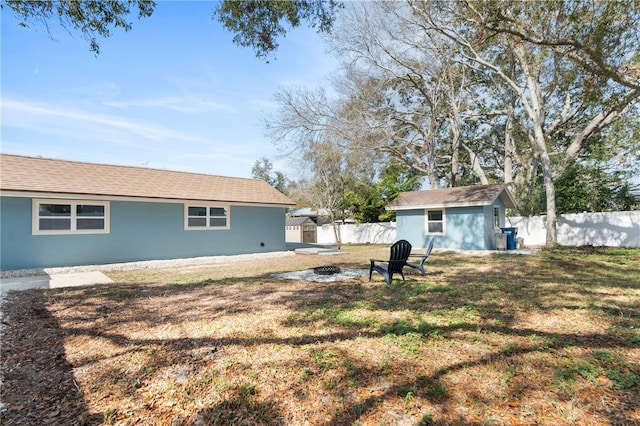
(301, 230)
(463, 218)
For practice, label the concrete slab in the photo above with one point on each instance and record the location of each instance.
(317, 250)
(54, 281)
(487, 252)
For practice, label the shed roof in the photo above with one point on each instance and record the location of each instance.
(20, 174)
(463, 196)
(298, 220)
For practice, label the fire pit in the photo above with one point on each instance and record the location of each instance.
(323, 274)
(326, 270)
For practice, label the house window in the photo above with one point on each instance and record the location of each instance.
(70, 217)
(206, 217)
(496, 217)
(435, 221)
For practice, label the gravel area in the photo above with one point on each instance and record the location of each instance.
(149, 264)
(310, 275)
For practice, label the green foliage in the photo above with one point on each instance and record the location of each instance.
(623, 379)
(367, 201)
(263, 169)
(581, 188)
(622, 374)
(408, 343)
(306, 374)
(259, 23)
(325, 359)
(92, 19)
(255, 23)
(437, 390)
(426, 420)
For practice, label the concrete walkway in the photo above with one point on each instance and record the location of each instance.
(53, 281)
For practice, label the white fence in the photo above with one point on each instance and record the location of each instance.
(613, 229)
(373, 233)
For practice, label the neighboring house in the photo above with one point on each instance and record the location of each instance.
(464, 218)
(63, 213)
(319, 217)
(301, 230)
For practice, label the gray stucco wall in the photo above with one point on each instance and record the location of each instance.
(489, 229)
(138, 231)
(410, 226)
(465, 228)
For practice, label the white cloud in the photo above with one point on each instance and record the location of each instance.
(174, 103)
(171, 103)
(72, 122)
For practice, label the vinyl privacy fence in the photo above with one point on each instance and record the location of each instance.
(364, 233)
(613, 229)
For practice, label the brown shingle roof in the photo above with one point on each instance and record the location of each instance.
(478, 195)
(43, 175)
(297, 221)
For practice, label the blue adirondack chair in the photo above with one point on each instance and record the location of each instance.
(400, 252)
(419, 265)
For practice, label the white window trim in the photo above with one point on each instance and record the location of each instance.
(500, 224)
(35, 217)
(444, 222)
(227, 207)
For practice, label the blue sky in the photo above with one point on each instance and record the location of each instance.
(174, 92)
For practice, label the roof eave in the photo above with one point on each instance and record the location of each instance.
(435, 206)
(87, 196)
(503, 194)
(507, 199)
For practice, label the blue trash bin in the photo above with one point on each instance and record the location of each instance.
(511, 237)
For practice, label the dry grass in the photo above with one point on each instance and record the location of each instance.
(550, 339)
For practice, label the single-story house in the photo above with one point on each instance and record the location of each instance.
(301, 230)
(67, 213)
(463, 218)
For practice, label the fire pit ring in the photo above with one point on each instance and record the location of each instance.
(326, 270)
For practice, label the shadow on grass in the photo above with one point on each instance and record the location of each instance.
(35, 356)
(235, 411)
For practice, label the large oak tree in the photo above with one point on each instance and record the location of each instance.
(481, 90)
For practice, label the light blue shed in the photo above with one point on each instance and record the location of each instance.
(462, 218)
(66, 213)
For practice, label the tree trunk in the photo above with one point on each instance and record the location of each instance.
(456, 124)
(336, 231)
(509, 143)
(549, 187)
(550, 192)
(475, 165)
(535, 110)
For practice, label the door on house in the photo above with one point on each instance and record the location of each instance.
(309, 234)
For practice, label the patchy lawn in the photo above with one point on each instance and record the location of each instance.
(552, 338)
